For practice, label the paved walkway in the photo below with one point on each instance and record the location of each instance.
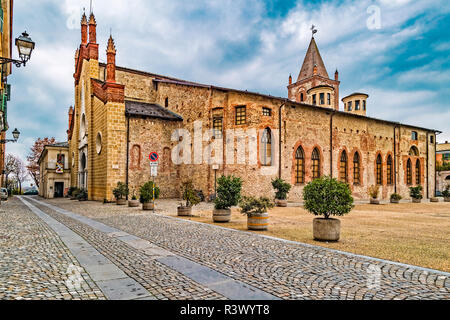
(178, 259)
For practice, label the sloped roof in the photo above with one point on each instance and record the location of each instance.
(312, 58)
(150, 110)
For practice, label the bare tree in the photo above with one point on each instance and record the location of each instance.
(10, 168)
(33, 158)
(15, 168)
(21, 173)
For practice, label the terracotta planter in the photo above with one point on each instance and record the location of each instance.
(222, 216)
(395, 201)
(133, 203)
(121, 202)
(327, 229)
(416, 200)
(148, 206)
(447, 199)
(434, 200)
(184, 211)
(374, 201)
(258, 222)
(281, 203)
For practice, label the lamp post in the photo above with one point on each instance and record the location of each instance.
(16, 135)
(25, 47)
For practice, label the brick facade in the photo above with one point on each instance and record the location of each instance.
(127, 140)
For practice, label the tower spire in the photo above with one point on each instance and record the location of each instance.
(111, 61)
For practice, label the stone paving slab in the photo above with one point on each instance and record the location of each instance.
(35, 263)
(220, 283)
(104, 273)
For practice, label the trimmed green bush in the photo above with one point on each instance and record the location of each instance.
(189, 194)
(416, 192)
(282, 188)
(396, 197)
(228, 192)
(251, 206)
(328, 197)
(121, 191)
(146, 192)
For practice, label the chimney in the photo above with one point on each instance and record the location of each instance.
(111, 61)
(336, 75)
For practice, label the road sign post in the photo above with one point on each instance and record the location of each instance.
(153, 157)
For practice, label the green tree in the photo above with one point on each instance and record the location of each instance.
(282, 188)
(328, 197)
(228, 192)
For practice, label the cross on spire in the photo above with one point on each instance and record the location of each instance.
(313, 30)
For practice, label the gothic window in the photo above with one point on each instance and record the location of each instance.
(135, 157)
(414, 136)
(218, 128)
(300, 166)
(390, 170)
(241, 115)
(266, 145)
(356, 169)
(379, 170)
(409, 172)
(322, 98)
(343, 167)
(418, 172)
(315, 164)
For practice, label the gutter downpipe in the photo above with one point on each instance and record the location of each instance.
(331, 142)
(280, 140)
(128, 152)
(395, 159)
(428, 167)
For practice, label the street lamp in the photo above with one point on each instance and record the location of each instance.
(25, 46)
(16, 135)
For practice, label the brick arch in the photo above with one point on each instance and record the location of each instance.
(322, 160)
(299, 95)
(135, 157)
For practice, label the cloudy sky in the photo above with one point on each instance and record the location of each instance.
(394, 50)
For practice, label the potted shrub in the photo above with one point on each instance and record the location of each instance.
(134, 202)
(446, 193)
(374, 192)
(395, 198)
(228, 195)
(190, 195)
(70, 192)
(327, 197)
(282, 190)
(120, 193)
(256, 211)
(74, 194)
(416, 194)
(82, 195)
(146, 198)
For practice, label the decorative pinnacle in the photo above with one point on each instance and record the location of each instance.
(111, 45)
(84, 19)
(92, 19)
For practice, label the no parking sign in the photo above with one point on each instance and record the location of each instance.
(153, 157)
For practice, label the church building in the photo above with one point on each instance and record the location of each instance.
(122, 115)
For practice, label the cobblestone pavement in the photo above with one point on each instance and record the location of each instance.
(285, 269)
(160, 281)
(34, 263)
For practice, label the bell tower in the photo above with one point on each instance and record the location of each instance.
(314, 85)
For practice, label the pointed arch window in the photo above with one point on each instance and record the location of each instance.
(409, 172)
(266, 144)
(300, 166)
(343, 173)
(379, 170)
(356, 169)
(315, 164)
(389, 170)
(418, 172)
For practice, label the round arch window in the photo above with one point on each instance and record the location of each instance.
(98, 143)
(83, 126)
